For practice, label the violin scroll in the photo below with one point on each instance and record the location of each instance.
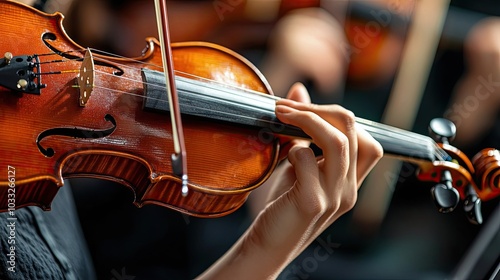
(460, 178)
(487, 166)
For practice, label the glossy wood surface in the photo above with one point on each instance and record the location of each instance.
(224, 161)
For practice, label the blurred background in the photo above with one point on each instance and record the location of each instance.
(401, 62)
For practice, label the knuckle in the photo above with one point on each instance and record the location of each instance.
(317, 209)
(349, 120)
(309, 115)
(314, 107)
(349, 199)
(342, 144)
(347, 117)
(333, 206)
(323, 207)
(377, 150)
(303, 153)
(311, 206)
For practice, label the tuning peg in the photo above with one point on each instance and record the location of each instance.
(442, 130)
(445, 196)
(446, 199)
(472, 206)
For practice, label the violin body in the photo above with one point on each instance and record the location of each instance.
(224, 161)
(66, 113)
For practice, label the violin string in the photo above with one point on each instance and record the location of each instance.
(373, 127)
(129, 93)
(63, 53)
(54, 61)
(396, 134)
(177, 72)
(202, 79)
(404, 133)
(157, 99)
(412, 138)
(272, 97)
(408, 136)
(396, 137)
(57, 72)
(199, 78)
(437, 152)
(406, 141)
(128, 59)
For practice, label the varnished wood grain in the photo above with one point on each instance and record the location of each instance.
(225, 162)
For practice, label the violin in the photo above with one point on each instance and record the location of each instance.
(69, 112)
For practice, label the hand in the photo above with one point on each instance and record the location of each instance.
(308, 193)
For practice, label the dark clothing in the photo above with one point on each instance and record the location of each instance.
(48, 245)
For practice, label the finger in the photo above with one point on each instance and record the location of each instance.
(282, 180)
(343, 120)
(287, 224)
(307, 193)
(338, 117)
(298, 93)
(369, 150)
(332, 141)
(369, 153)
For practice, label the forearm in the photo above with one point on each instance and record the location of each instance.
(243, 261)
(276, 237)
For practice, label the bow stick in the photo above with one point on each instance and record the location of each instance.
(179, 163)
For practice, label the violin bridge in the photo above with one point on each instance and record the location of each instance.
(86, 78)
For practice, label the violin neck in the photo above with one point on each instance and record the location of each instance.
(249, 108)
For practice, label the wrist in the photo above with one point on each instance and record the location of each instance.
(247, 259)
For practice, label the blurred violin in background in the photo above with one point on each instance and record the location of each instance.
(67, 112)
(374, 30)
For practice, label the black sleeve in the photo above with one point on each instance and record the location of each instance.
(37, 244)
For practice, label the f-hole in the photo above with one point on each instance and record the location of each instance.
(49, 37)
(75, 133)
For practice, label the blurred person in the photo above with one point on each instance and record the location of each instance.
(307, 43)
(475, 103)
(358, 42)
(309, 40)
